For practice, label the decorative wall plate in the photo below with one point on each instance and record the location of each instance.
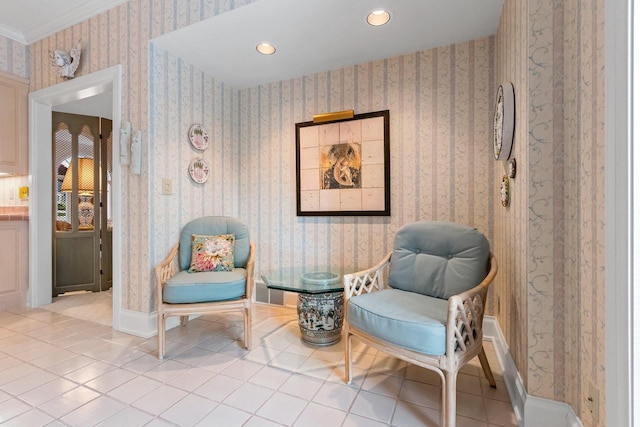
(505, 197)
(199, 137)
(504, 121)
(511, 167)
(199, 170)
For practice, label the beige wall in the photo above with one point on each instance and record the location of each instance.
(440, 104)
(14, 57)
(511, 230)
(553, 52)
(121, 36)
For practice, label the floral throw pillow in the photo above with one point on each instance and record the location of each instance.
(211, 253)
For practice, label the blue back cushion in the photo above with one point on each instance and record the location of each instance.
(212, 226)
(438, 259)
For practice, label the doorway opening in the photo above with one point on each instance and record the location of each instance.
(41, 158)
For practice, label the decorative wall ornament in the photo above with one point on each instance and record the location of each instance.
(199, 137)
(66, 62)
(199, 170)
(511, 167)
(505, 196)
(504, 121)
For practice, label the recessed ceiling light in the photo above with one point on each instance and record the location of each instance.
(378, 17)
(266, 48)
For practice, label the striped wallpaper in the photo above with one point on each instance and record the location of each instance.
(554, 52)
(511, 226)
(121, 36)
(440, 114)
(14, 57)
(549, 242)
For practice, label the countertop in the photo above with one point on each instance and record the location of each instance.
(14, 213)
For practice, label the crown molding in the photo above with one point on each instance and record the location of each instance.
(12, 34)
(60, 21)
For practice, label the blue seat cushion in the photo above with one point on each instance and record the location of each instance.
(413, 321)
(206, 286)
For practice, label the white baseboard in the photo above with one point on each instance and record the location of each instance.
(144, 325)
(530, 411)
(541, 412)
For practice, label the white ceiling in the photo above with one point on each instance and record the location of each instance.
(310, 35)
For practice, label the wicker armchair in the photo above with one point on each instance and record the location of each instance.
(181, 293)
(424, 303)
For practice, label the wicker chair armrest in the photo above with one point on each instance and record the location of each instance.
(250, 268)
(466, 314)
(164, 271)
(366, 281)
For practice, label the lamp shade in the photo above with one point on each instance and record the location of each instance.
(85, 176)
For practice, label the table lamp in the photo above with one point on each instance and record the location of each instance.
(85, 189)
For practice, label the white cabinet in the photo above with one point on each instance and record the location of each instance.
(14, 137)
(14, 255)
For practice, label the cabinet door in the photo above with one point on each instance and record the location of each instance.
(13, 125)
(13, 264)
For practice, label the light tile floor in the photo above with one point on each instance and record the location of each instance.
(57, 370)
(94, 306)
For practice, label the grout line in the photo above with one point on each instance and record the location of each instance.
(323, 357)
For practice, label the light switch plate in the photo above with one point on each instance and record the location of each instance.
(167, 186)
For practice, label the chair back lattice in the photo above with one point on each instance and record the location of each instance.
(467, 321)
(213, 226)
(438, 259)
(366, 283)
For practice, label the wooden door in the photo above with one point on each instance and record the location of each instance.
(80, 204)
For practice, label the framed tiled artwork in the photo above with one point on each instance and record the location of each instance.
(342, 166)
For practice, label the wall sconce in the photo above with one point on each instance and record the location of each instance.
(136, 152)
(125, 139)
(85, 190)
(131, 148)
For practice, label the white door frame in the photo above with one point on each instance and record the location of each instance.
(41, 189)
(622, 343)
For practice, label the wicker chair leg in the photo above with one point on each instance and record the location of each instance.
(161, 337)
(449, 401)
(184, 320)
(443, 400)
(247, 327)
(347, 358)
(486, 368)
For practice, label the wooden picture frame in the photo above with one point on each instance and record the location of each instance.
(342, 166)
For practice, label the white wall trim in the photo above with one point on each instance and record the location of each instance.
(138, 323)
(68, 17)
(145, 325)
(12, 33)
(541, 412)
(40, 180)
(530, 411)
(619, 189)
